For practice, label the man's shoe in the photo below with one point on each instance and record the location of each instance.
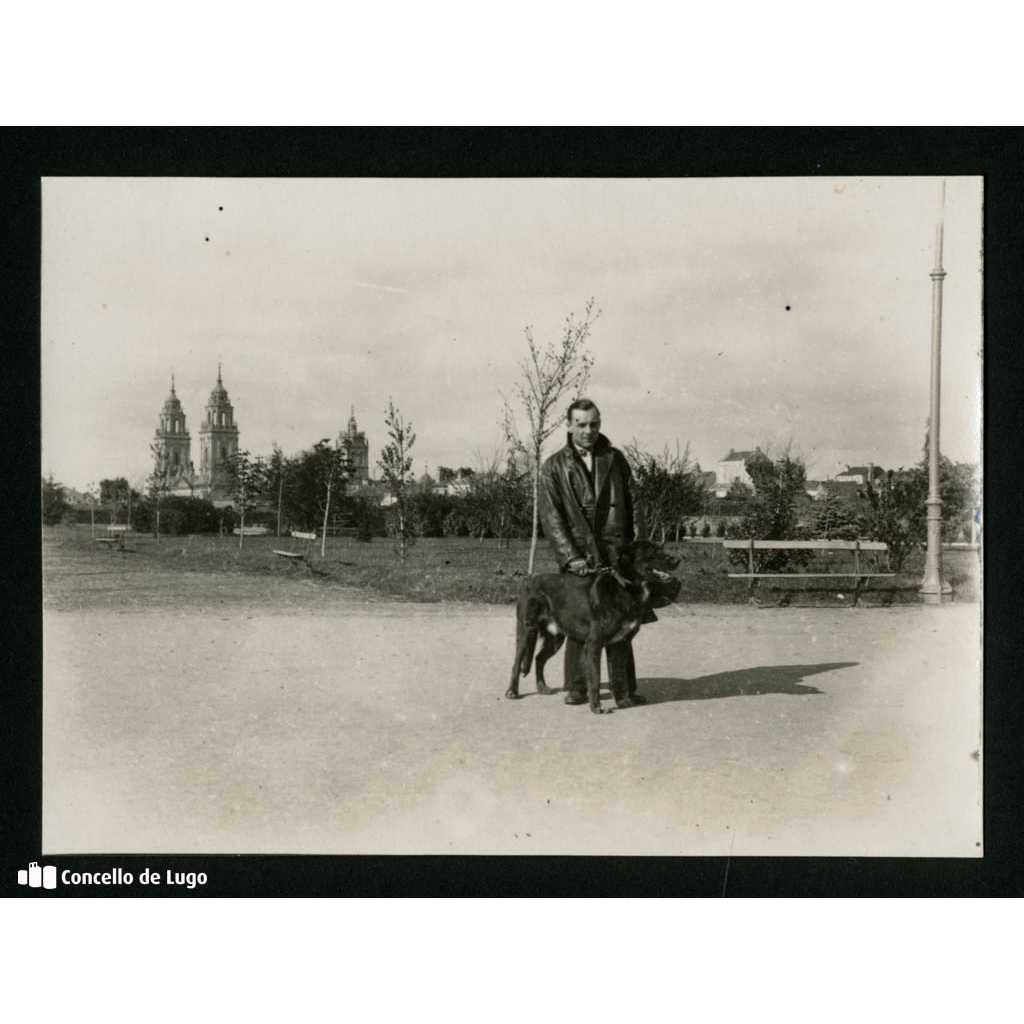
(575, 697)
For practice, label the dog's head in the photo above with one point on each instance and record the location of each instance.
(650, 564)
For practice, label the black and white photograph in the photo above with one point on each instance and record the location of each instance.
(570, 516)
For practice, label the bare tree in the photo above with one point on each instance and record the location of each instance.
(158, 485)
(332, 470)
(247, 477)
(396, 465)
(670, 488)
(277, 473)
(548, 375)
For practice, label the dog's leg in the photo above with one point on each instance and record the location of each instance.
(550, 647)
(513, 684)
(574, 673)
(524, 636)
(592, 661)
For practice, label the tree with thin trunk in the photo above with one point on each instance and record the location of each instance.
(158, 486)
(277, 473)
(116, 493)
(248, 478)
(396, 465)
(333, 468)
(548, 376)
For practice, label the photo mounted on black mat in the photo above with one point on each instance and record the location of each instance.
(543, 516)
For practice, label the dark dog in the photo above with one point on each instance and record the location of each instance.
(601, 610)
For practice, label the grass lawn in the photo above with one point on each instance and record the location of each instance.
(464, 569)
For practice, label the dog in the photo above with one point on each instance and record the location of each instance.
(602, 609)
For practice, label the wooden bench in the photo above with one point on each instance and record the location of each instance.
(299, 556)
(118, 535)
(855, 546)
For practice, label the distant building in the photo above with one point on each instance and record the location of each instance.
(172, 448)
(861, 474)
(732, 469)
(353, 442)
(218, 442)
(455, 485)
(848, 489)
(706, 479)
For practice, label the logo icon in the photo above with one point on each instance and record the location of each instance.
(37, 877)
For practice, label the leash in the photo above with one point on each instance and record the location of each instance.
(619, 578)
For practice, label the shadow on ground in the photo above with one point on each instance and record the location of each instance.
(744, 682)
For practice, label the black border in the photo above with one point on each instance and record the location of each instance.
(26, 155)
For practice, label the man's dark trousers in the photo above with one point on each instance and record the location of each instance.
(620, 661)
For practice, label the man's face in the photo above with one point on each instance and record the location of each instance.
(584, 427)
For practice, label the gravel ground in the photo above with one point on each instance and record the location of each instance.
(221, 714)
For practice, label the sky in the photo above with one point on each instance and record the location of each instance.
(734, 312)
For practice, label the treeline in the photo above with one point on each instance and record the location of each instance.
(893, 511)
(285, 493)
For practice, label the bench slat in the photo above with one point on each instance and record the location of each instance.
(806, 575)
(290, 554)
(303, 536)
(808, 545)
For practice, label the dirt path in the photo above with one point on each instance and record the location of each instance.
(248, 718)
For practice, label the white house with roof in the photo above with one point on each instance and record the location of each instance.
(860, 474)
(731, 469)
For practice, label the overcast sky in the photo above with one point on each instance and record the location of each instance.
(735, 312)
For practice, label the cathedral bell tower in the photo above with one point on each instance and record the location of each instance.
(218, 442)
(172, 445)
(353, 442)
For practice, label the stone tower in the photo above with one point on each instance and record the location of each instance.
(218, 442)
(172, 445)
(353, 441)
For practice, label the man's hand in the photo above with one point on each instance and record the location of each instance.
(578, 566)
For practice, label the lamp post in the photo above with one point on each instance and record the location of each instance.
(933, 589)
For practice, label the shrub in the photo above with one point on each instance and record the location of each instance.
(183, 516)
(366, 516)
(834, 519)
(54, 502)
(428, 512)
(771, 513)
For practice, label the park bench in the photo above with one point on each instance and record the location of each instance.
(856, 547)
(298, 556)
(116, 536)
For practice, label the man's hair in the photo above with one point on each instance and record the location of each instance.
(584, 405)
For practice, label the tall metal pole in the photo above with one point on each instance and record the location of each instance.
(933, 589)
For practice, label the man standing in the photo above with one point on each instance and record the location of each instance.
(588, 505)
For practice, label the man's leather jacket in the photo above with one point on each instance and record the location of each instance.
(582, 516)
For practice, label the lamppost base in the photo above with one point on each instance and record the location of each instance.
(932, 594)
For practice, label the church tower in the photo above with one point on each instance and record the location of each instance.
(353, 442)
(172, 446)
(218, 442)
